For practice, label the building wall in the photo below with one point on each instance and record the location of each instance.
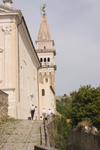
(47, 44)
(18, 71)
(44, 100)
(3, 105)
(48, 100)
(86, 139)
(28, 76)
(52, 102)
(8, 61)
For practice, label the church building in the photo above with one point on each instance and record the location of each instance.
(26, 75)
(19, 62)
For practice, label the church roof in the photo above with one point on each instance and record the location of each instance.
(44, 33)
(8, 10)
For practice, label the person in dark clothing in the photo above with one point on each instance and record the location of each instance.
(32, 108)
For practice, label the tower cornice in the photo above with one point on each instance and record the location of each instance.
(46, 51)
(45, 41)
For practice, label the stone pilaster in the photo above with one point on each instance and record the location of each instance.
(7, 31)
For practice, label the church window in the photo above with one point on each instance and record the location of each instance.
(43, 92)
(44, 59)
(48, 59)
(41, 59)
(44, 47)
(46, 80)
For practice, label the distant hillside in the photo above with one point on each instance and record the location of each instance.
(63, 105)
(61, 97)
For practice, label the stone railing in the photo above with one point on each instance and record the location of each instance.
(48, 132)
(3, 104)
(84, 139)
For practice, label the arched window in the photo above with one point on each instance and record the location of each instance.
(43, 92)
(48, 59)
(41, 59)
(44, 59)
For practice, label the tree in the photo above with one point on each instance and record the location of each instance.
(65, 95)
(85, 106)
(61, 135)
(62, 106)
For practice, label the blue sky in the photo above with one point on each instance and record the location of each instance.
(75, 28)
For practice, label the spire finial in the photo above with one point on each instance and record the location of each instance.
(7, 2)
(43, 8)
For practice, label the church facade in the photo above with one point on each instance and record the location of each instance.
(23, 75)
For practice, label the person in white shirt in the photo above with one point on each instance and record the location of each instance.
(49, 112)
(32, 111)
(43, 113)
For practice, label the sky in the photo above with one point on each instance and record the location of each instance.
(75, 27)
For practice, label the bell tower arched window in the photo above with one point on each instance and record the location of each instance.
(44, 59)
(41, 59)
(48, 59)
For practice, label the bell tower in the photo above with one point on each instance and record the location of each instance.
(46, 53)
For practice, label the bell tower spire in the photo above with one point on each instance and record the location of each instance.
(46, 53)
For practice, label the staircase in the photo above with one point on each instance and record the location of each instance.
(20, 135)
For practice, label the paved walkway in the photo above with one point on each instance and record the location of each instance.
(20, 135)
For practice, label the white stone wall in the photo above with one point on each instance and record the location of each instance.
(28, 76)
(52, 98)
(48, 100)
(8, 61)
(19, 99)
(45, 101)
(47, 44)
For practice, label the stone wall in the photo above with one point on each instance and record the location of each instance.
(43, 148)
(84, 139)
(51, 131)
(3, 104)
(48, 131)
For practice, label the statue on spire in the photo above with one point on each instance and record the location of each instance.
(7, 2)
(43, 8)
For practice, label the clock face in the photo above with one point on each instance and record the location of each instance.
(46, 79)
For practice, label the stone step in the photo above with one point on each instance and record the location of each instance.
(21, 135)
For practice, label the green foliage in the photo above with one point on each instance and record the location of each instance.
(7, 119)
(85, 106)
(61, 136)
(63, 105)
(59, 141)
